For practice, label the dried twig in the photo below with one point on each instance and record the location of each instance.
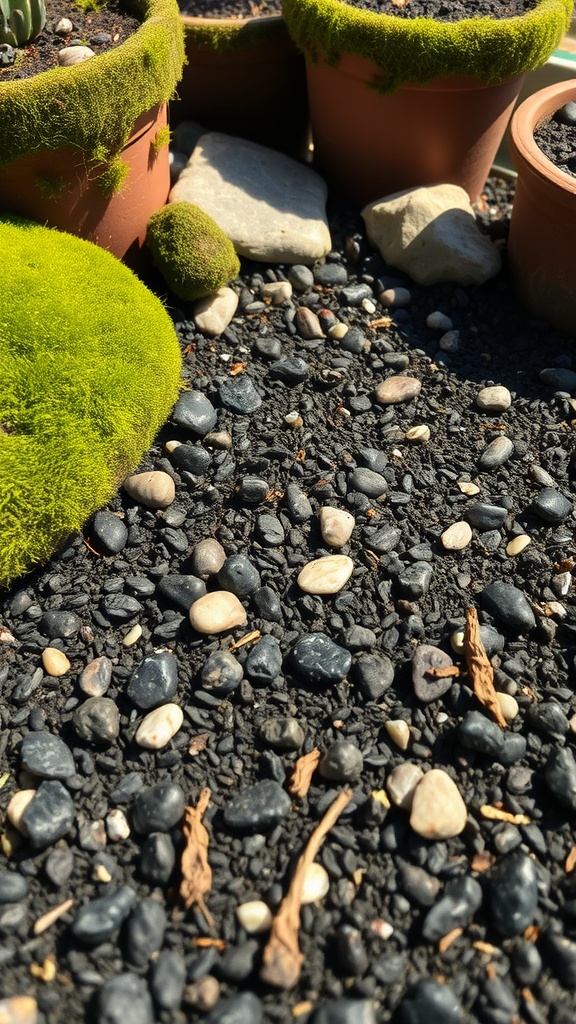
(443, 673)
(497, 814)
(302, 774)
(282, 959)
(196, 871)
(48, 919)
(570, 860)
(248, 638)
(479, 667)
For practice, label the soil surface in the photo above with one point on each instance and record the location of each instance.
(441, 10)
(557, 141)
(229, 8)
(100, 30)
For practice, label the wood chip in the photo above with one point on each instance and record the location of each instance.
(249, 638)
(531, 933)
(198, 743)
(51, 916)
(486, 947)
(205, 942)
(383, 321)
(196, 871)
(282, 959)
(443, 673)
(482, 861)
(302, 774)
(497, 814)
(237, 368)
(527, 995)
(446, 941)
(571, 860)
(480, 669)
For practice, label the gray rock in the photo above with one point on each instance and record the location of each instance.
(299, 508)
(243, 1008)
(195, 413)
(264, 662)
(157, 858)
(221, 673)
(346, 1011)
(426, 687)
(181, 590)
(47, 756)
(476, 732)
(257, 808)
(366, 481)
(239, 576)
(559, 378)
(282, 733)
(301, 277)
(431, 1002)
(552, 506)
(456, 909)
(508, 605)
(342, 762)
(158, 808)
(291, 371)
(496, 454)
(13, 887)
(317, 659)
(414, 581)
(330, 275)
(145, 931)
(109, 532)
(154, 681)
(97, 720)
(560, 776)
(486, 517)
(125, 1000)
(120, 607)
(513, 893)
(239, 394)
(270, 530)
(60, 625)
(100, 919)
(549, 719)
(167, 980)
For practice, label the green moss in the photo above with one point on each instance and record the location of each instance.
(419, 49)
(83, 389)
(95, 104)
(89, 5)
(224, 36)
(160, 140)
(112, 178)
(50, 187)
(192, 253)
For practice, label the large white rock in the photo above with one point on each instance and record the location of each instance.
(270, 207)
(431, 234)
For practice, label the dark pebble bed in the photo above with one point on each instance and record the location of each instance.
(327, 673)
(556, 137)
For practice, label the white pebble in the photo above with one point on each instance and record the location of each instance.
(336, 526)
(325, 575)
(456, 536)
(216, 612)
(508, 706)
(55, 662)
(438, 810)
(71, 55)
(316, 883)
(338, 331)
(63, 27)
(398, 731)
(213, 313)
(457, 641)
(468, 488)
(276, 291)
(368, 306)
(495, 398)
(420, 433)
(117, 826)
(294, 420)
(438, 321)
(132, 636)
(159, 726)
(254, 916)
(17, 805)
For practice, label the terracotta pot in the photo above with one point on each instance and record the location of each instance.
(542, 240)
(369, 144)
(256, 90)
(117, 223)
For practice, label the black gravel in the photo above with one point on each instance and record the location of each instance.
(556, 137)
(329, 672)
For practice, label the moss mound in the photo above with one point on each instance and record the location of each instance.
(89, 369)
(419, 49)
(223, 35)
(94, 105)
(191, 252)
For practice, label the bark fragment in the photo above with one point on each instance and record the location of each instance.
(196, 871)
(480, 669)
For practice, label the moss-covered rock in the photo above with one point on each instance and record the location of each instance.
(191, 252)
(89, 370)
(420, 49)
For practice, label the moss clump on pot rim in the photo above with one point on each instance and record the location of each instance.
(420, 49)
(94, 105)
(191, 251)
(229, 35)
(83, 387)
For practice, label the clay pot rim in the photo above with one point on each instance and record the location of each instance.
(531, 112)
(197, 20)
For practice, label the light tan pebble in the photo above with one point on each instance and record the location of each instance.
(55, 662)
(401, 784)
(159, 726)
(395, 298)
(561, 584)
(70, 55)
(18, 1010)
(554, 608)
(457, 641)
(133, 636)
(41, 924)
(572, 724)
(213, 313)
(17, 805)
(208, 557)
(326, 575)
(217, 612)
(468, 488)
(398, 731)
(336, 526)
(518, 544)
(420, 433)
(101, 874)
(254, 916)
(294, 420)
(438, 810)
(396, 390)
(92, 835)
(339, 331)
(307, 323)
(382, 929)
(154, 490)
(276, 291)
(63, 27)
(508, 706)
(221, 439)
(96, 677)
(368, 306)
(457, 536)
(117, 826)
(203, 994)
(495, 398)
(438, 321)
(316, 883)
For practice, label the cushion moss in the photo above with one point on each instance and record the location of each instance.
(89, 370)
(227, 36)
(79, 106)
(191, 251)
(420, 49)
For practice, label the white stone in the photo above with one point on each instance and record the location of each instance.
(63, 27)
(431, 234)
(398, 731)
(16, 806)
(326, 575)
(213, 313)
(133, 636)
(71, 55)
(254, 916)
(456, 536)
(154, 489)
(518, 544)
(294, 420)
(439, 321)
(401, 784)
(271, 207)
(117, 826)
(495, 398)
(457, 641)
(336, 526)
(276, 292)
(438, 810)
(55, 662)
(508, 705)
(420, 433)
(316, 883)
(468, 488)
(216, 612)
(338, 331)
(159, 726)
(18, 1010)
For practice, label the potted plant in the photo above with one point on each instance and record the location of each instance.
(542, 240)
(397, 101)
(84, 148)
(244, 76)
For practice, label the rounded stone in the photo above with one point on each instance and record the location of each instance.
(109, 532)
(168, 978)
(47, 756)
(494, 399)
(254, 916)
(456, 536)
(55, 662)
(217, 612)
(195, 413)
(264, 662)
(315, 884)
(159, 726)
(181, 590)
(326, 575)
(513, 893)
(518, 544)
(154, 490)
(239, 575)
(427, 687)
(496, 454)
(401, 784)
(431, 1002)
(282, 733)
(145, 931)
(485, 516)
(396, 390)
(221, 673)
(438, 810)
(158, 808)
(552, 506)
(49, 816)
(239, 395)
(508, 605)
(96, 677)
(208, 557)
(342, 762)
(101, 918)
(368, 482)
(154, 681)
(317, 659)
(97, 720)
(257, 808)
(455, 909)
(125, 999)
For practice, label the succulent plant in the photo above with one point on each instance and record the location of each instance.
(21, 20)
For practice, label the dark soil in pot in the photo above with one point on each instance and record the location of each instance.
(229, 8)
(557, 138)
(441, 10)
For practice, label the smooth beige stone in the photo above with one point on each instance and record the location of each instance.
(420, 433)
(508, 706)
(133, 636)
(339, 331)
(96, 677)
(153, 490)
(213, 313)
(159, 726)
(457, 641)
(401, 784)
(217, 612)
(395, 390)
(495, 398)
(17, 805)
(326, 575)
(18, 1010)
(117, 827)
(276, 292)
(468, 488)
(208, 557)
(336, 526)
(55, 662)
(70, 55)
(457, 536)
(398, 731)
(438, 810)
(316, 883)
(254, 916)
(518, 544)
